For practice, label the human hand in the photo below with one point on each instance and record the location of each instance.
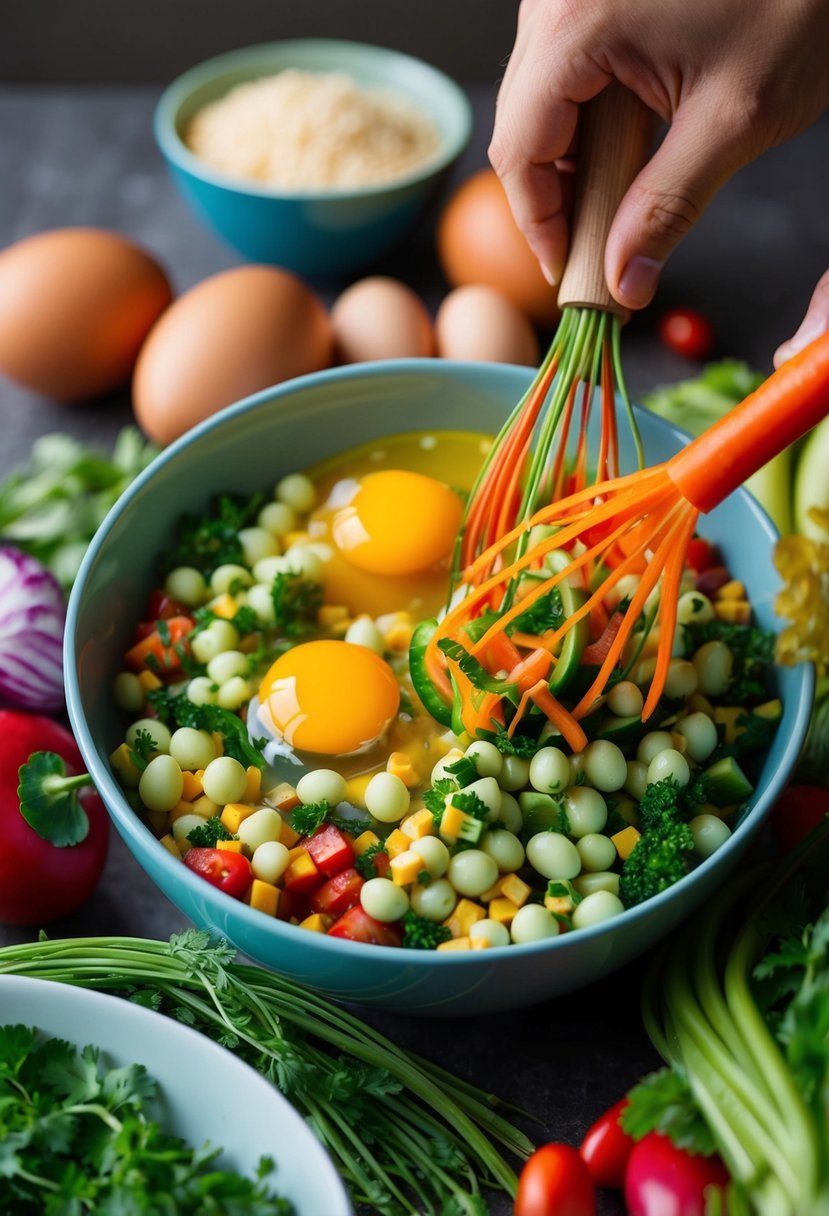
(815, 323)
(731, 80)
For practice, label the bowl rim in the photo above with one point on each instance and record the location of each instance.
(179, 90)
(130, 824)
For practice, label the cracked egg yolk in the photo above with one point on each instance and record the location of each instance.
(397, 522)
(329, 697)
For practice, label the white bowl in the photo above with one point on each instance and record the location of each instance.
(205, 1092)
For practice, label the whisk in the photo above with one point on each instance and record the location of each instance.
(640, 523)
(527, 464)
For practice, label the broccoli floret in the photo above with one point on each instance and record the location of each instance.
(658, 860)
(422, 934)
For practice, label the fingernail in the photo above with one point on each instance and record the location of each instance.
(639, 280)
(551, 278)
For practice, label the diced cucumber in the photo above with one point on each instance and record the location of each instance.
(541, 812)
(575, 639)
(726, 783)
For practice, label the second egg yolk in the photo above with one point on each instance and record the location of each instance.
(398, 522)
(329, 697)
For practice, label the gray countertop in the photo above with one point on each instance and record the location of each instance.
(86, 156)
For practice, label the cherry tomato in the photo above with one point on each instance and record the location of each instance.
(798, 809)
(40, 882)
(687, 332)
(606, 1148)
(555, 1182)
(230, 872)
(358, 926)
(663, 1180)
(701, 555)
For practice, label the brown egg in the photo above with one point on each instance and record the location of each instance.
(232, 334)
(478, 241)
(380, 318)
(481, 324)
(75, 306)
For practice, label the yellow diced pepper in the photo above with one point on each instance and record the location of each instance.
(625, 841)
(419, 824)
(559, 905)
(736, 612)
(331, 614)
(502, 909)
(231, 846)
(234, 813)
(191, 785)
(515, 889)
(205, 807)
(400, 764)
(397, 842)
(149, 681)
(183, 807)
(492, 892)
(125, 770)
(464, 916)
(171, 845)
(355, 789)
(302, 866)
(405, 868)
(456, 943)
(296, 537)
(366, 840)
(453, 822)
(263, 896)
(480, 943)
(295, 851)
(283, 797)
(225, 606)
(317, 922)
(287, 835)
(253, 784)
(732, 590)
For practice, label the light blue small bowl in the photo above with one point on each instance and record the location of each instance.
(251, 445)
(318, 233)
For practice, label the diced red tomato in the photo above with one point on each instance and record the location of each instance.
(701, 554)
(230, 872)
(338, 894)
(606, 1148)
(161, 606)
(712, 578)
(330, 849)
(159, 650)
(293, 905)
(687, 332)
(358, 926)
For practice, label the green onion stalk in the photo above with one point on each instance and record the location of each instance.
(407, 1136)
(756, 1058)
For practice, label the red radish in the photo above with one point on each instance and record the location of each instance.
(39, 880)
(663, 1180)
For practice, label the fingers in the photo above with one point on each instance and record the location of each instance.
(666, 200)
(815, 323)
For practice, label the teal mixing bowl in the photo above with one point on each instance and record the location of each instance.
(323, 232)
(250, 445)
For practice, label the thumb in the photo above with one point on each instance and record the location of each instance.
(815, 323)
(663, 204)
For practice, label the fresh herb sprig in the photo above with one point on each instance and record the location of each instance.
(78, 1137)
(406, 1135)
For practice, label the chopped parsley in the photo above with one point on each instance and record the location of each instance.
(205, 835)
(366, 863)
(178, 709)
(464, 770)
(307, 818)
(212, 540)
(143, 746)
(296, 604)
(422, 934)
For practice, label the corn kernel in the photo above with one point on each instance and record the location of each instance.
(401, 765)
(732, 590)
(456, 943)
(234, 813)
(364, 841)
(737, 612)
(515, 889)
(625, 841)
(464, 916)
(399, 636)
(149, 681)
(405, 868)
(502, 909)
(492, 892)
(397, 842)
(331, 614)
(317, 922)
(263, 896)
(419, 824)
(171, 845)
(225, 606)
(125, 770)
(191, 785)
(297, 537)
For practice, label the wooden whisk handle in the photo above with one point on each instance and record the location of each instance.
(614, 140)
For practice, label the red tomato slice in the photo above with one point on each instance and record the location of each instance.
(606, 1148)
(555, 1182)
(663, 1180)
(330, 849)
(358, 926)
(230, 872)
(338, 894)
(798, 809)
(687, 332)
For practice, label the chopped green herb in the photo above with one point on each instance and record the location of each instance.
(366, 863)
(143, 746)
(309, 816)
(434, 799)
(212, 539)
(471, 804)
(206, 834)
(422, 934)
(546, 613)
(663, 1102)
(752, 649)
(465, 770)
(296, 604)
(517, 745)
(177, 708)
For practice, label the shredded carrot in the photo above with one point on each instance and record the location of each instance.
(554, 711)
